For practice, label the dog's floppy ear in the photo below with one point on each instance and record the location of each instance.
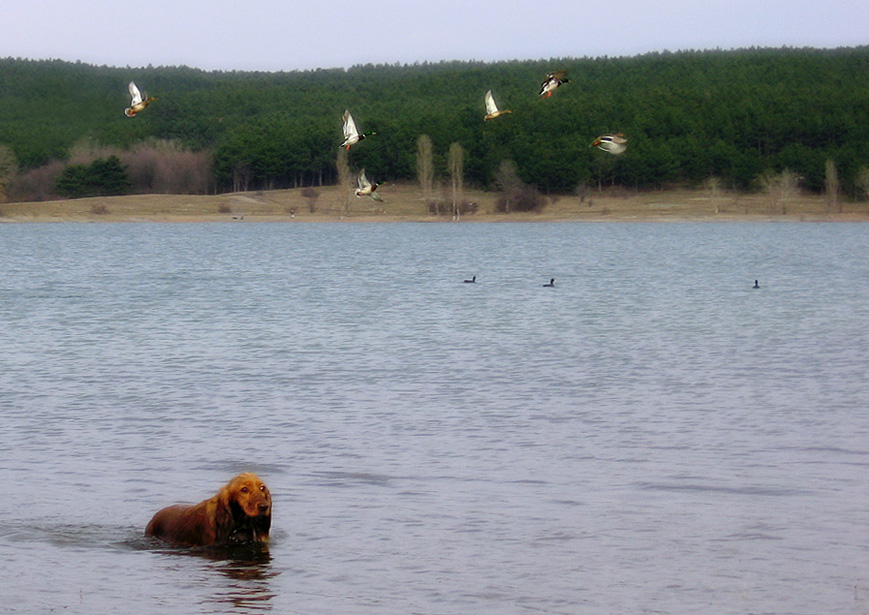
(223, 518)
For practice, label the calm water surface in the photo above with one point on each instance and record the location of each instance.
(652, 435)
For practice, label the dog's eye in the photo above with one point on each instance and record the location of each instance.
(244, 489)
(262, 487)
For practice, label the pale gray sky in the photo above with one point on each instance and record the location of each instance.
(275, 35)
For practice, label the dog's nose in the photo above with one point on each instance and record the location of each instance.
(263, 507)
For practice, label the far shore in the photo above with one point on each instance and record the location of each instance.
(404, 203)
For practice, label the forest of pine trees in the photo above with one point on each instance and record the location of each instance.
(689, 116)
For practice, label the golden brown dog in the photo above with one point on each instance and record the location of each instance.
(241, 512)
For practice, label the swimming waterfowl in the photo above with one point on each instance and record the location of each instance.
(613, 144)
(756, 285)
(473, 280)
(492, 110)
(551, 283)
(366, 188)
(552, 82)
(138, 103)
(352, 136)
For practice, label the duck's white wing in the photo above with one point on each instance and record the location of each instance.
(491, 107)
(555, 76)
(134, 93)
(349, 126)
(362, 181)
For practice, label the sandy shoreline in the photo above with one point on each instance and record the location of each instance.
(403, 203)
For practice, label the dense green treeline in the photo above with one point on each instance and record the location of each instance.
(688, 116)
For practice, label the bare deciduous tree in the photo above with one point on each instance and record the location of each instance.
(713, 186)
(312, 196)
(509, 184)
(160, 166)
(85, 151)
(456, 162)
(425, 167)
(780, 187)
(345, 182)
(36, 184)
(831, 186)
(8, 168)
(167, 167)
(862, 180)
(515, 195)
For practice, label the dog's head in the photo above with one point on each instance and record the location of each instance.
(247, 509)
(249, 493)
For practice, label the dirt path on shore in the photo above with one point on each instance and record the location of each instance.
(403, 202)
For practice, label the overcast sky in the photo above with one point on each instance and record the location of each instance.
(273, 35)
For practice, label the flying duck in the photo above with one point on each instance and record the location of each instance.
(614, 144)
(138, 104)
(366, 188)
(552, 82)
(492, 110)
(352, 136)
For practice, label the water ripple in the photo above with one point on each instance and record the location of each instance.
(654, 436)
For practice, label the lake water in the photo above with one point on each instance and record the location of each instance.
(651, 435)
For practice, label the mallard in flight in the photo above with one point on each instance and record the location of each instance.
(614, 144)
(352, 136)
(552, 82)
(492, 110)
(138, 104)
(366, 188)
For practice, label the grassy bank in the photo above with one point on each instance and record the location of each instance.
(404, 203)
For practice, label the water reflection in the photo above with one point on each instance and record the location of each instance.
(248, 573)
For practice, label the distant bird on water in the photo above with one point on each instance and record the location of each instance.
(138, 103)
(352, 136)
(473, 280)
(756, 285)
(551, 284)
(553, 81)
(492, 110)
(613, 144)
